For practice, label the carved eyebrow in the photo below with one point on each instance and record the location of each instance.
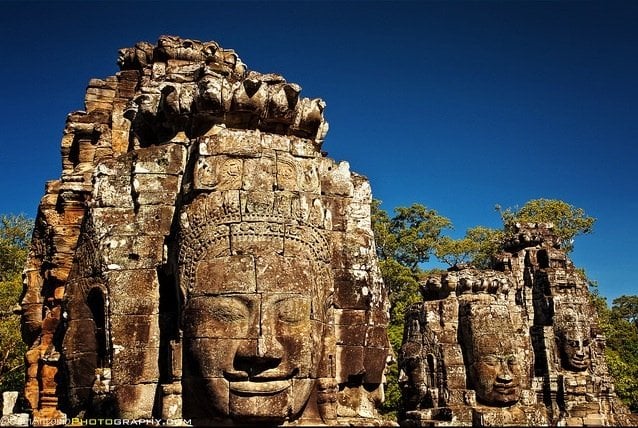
(507, 357)
(292, 309)
(230, 308)
(246, 300)
(285, 297)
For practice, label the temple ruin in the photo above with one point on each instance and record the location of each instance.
(518, 345)
(202, 261)
(200, 258)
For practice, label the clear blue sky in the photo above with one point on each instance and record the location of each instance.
(458, 106)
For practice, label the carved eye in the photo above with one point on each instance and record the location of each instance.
(293, 310)
(490, 360)
(586, 342)
(573, 343)
(229, 310)
(512, 361)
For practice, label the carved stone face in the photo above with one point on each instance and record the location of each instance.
(496, 377)
(495, 346)
(253, 330)
(575, 350)
(573, 340)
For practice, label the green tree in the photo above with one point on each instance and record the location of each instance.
(14, 234)
(621, 352)
(404, 242)
(411, 236)
(626, 307)
(477, 247)
(568, 220)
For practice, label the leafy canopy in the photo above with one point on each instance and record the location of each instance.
(568, 220)
(411, 236)
(626, 308)
(15, 231)
(477, 247)
(621, 353)
(14, 235)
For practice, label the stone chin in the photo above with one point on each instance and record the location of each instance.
(578, 365)
(272, 401)
(264, 401)
(504, 395)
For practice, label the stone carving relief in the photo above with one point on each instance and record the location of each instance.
(514, 346)
(573, 337)
(200, 258)
(254, 320)
(495, 353)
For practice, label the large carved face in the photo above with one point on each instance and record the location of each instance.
(253, 329)
(496, 376)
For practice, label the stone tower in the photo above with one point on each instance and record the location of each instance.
(200, 257)
(518, 345)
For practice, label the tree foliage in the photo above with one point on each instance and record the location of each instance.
(626, 307)
(411, 236)
(568, 220)
(15, 231)
(477, 247)
(621, 353)
(14, 235)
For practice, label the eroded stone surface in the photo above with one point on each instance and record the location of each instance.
(518, 345)
(200, 258)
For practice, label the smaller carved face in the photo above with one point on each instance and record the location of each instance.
(413, 372)
(573, 335)
(575, 350)
(497, 378)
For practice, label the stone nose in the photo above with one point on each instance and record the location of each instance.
(504, 375)
(255, 358)
(504, 378)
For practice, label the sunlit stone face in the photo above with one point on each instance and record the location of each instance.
(495, 348)
(576, 351)
(252, 330)
(574, 341)
(496, 377)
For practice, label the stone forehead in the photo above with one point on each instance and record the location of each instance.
(197, 240)
(201, 240)
(570, 322)
(484, 313)
(573, 312)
